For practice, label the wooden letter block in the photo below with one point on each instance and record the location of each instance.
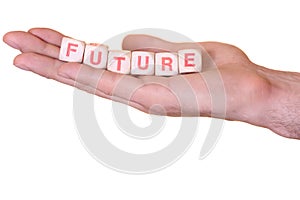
(119, 61)
(166, 64)
(142, 63)
(190, 60)
(71, 50)
(95, 55)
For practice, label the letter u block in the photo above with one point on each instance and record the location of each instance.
(166, 64)
(71, 50)
(95, 55)
(142, 63)
(119, 61)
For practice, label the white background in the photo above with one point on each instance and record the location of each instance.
(41, 156)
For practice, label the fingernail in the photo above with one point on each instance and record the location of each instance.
(21, 66)
(12, 44)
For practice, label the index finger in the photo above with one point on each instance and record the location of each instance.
(48, 35)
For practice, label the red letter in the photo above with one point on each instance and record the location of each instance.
(69, 48)
(146, 64)
(187, 59)
(119, 59)
(92, 58)
(164, 63)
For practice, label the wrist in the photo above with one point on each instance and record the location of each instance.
(249, 95)
(280, 110)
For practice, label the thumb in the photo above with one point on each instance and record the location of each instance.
(140, 42)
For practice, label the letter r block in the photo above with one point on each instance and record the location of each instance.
(166, 64)
(190, 60)
(119, 61)
(95, 55)
(71, 50)
(142, 63)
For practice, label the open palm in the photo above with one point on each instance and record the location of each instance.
(230, 86)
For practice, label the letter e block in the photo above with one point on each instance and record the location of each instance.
(71, 50)
(190, 60)
(166, 64)
(142, 63)
(119, 61)
(95, 55)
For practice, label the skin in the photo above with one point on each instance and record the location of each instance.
(251, 93)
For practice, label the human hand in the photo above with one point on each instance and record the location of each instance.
(230, 86)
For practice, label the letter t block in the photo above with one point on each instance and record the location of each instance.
(71, 50)
(119, 61)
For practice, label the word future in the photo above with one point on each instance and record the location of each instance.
(127, 62)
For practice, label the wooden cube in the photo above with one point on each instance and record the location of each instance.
(190, 60)
(71, 50)
(95, 55)
(119, 61)
(142, 63)
(166, 64)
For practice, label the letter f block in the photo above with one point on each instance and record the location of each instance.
(71, 50)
